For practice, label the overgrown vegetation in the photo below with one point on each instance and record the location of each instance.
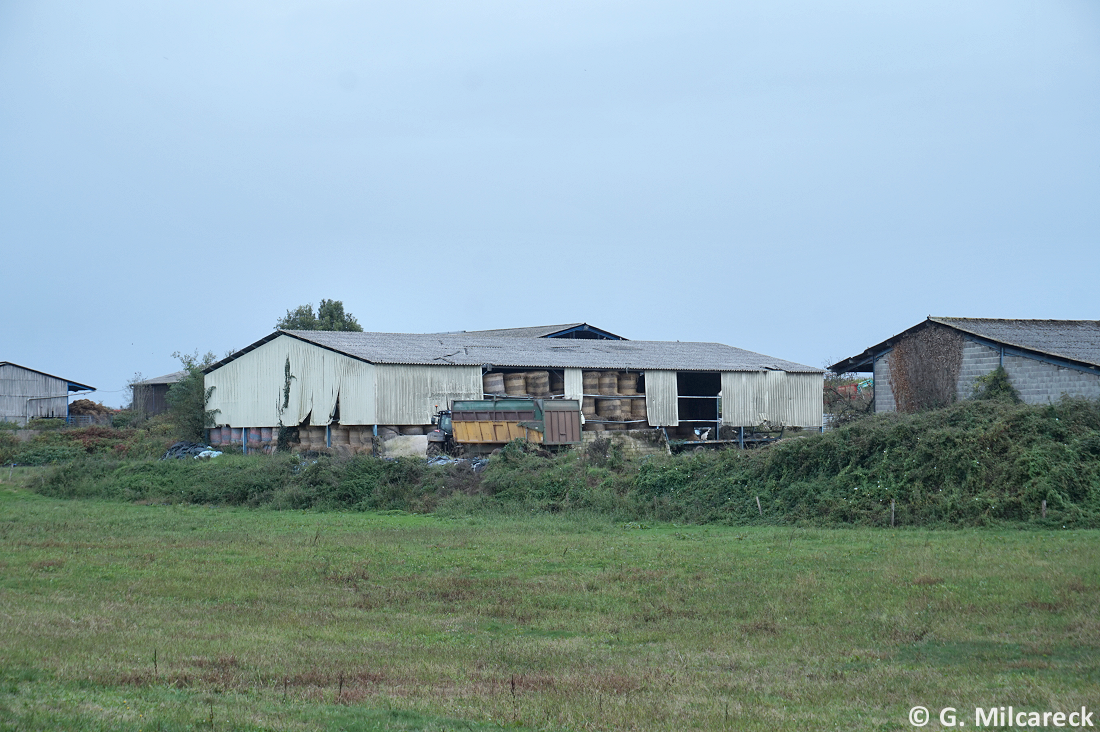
(924, 368)
(996, 385)
(188, 397)
(974, 463)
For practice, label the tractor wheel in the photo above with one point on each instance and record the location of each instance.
(434, 449)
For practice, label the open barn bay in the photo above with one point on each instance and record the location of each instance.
(171, 617)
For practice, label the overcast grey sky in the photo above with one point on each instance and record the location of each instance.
(802, 179)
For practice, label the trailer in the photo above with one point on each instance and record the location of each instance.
(478, 426)
(746, 439)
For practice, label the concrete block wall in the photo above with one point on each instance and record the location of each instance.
(1039, 383)
(884, 395)
(632, 443)
(977, 360)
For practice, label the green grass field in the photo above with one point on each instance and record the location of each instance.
(122, 616)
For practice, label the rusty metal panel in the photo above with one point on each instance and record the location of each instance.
(662, 398)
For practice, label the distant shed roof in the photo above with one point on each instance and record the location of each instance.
(1072, 340)
(71, 385)
(171, 378)
(509, 352)
(547, 331)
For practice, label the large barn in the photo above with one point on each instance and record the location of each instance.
(26, 394)
(939, 360)
(398, 381)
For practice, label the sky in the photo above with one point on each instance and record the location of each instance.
(797, 178)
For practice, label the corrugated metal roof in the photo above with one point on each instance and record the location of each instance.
(1073, 340)
(1076, 340)
(166, 379)
(469, 349)
(72, 385)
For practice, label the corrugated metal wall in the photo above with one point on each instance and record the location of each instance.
(574, 384)
(413, 394)
(752, 397)
(661, 398)
(249, 391)
(21, 391)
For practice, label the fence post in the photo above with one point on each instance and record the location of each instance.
(891, 512)
(1044, 508)
(758, 508)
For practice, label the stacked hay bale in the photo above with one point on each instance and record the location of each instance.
(590, 385)
(515, 385)
(493, 383)
(610, 410)
(557, 384)
(341, 440)
(628, 386)
(412, 429)
(537, 383)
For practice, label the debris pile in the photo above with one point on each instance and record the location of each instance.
(196, 450)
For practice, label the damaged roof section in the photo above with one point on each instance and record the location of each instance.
(470, 349)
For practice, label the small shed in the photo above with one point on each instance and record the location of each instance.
(151, 395)
(939, 360)
(27, 394)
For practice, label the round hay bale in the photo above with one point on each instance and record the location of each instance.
(340, 436)
(267, 434)
(609, 382)
(412, 429)
(557, 383)
(493, 383)
(515, 385)
(538, 383)
(588, 407)
(624, 405)
(609, 409)
(628, 383)
(594, 426)
(388, 432)
(590, 382)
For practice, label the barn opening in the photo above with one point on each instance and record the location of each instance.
(698, 395)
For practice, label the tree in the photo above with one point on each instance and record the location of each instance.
(188, 397)
(330, 316)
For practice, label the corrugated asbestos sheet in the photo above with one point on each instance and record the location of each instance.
(413, 394)
(662, 398)
(574, 384)
(751, 398)
(286, 380)
(473, 350)
(22, 391)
